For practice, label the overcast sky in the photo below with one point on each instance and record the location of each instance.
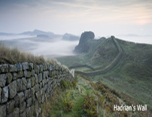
(104, 17)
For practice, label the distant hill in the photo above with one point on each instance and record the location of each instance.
(70, 37)
(40, 33)
(6, 34)
(36, 32)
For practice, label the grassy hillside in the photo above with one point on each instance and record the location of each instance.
(132, 73)
(104, 54)
(127, 82)
(84, 58)
(83, 98)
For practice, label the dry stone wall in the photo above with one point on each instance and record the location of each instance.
(24, 86)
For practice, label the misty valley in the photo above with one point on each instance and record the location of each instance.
(75, 58)
(41, 43)
(108, 73)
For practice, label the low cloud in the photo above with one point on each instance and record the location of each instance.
(49, 48)
(55, 49)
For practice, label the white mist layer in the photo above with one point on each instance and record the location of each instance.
(55, 48)
(11, 37)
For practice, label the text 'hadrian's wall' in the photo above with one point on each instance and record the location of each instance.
(24, 86)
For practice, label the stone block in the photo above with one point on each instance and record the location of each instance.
(33, 99)
(50, 74)
(16, 112)
(32, 81)
(21, 97)
(4, 94)
(10, 115)
(2, 80)
(23, 114)
(33, 72)
(36, 68)
(42, 99)
(0, 94)
(10, 106)
(29, 83)
(41, 85)
(43, 75)
(36, 87)
(12, 89)
(3, 68)
(28, 102)
(19, 66)
(15, 76)
(25, 65)
(28, 93)
(16, 99)
(22, 107)
(9, 78)
(33, 90)
(19, 85)
(40, 77)
(41, 68)
(28, 112)
(24, 84)
(43, 82)
(20, 74)
(27, 74)
(12, 68)
(30, 66)
(36, 78)
(38, 95)
(2, 110)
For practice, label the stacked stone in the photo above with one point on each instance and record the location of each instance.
(24, 85)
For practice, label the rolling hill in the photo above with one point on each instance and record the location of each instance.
(121, 65)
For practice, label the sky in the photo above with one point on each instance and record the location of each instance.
(103, 17)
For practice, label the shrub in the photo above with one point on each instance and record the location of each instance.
(74, 83)
(65, 84)
(90, 106)
(68, 104)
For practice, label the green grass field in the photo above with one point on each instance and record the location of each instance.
(132, 74)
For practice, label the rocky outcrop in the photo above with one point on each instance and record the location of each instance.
(83, 45)
(24, 86)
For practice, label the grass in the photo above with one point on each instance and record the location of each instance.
(137, 89)
(132, 74)
(83, 69)
(135, 84)
(8, 55)
(88, 98)
(76, 96)
(13, 55)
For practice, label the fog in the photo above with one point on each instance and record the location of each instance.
(10, 37)
(49, 48)
(147, 39)
(55, 48)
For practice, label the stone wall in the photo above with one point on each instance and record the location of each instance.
(24, 86)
